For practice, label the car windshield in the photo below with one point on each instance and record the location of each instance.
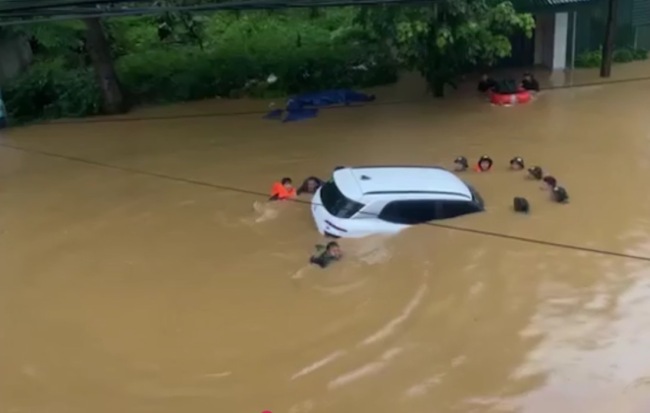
(476, 197)
(336, 203)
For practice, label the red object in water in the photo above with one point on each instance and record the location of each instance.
(267, 411)
(522, 96)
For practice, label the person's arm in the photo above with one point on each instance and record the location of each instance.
(317, 261)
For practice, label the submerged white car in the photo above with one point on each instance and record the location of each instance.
(362, 201)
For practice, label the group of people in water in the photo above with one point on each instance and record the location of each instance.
(520, 204)
(488, 84)
(331, 252)
(284, 190)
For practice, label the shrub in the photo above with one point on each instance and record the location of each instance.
(622, 55)
(588, 59)
(640, 54)
(50, 90)
(182, 74)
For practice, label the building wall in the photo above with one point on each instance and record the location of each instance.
(15, 55)
(545, 30)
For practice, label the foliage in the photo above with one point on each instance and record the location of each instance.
(593, 58)
(230, 55)
(49, 90)
(191, 74)
(442, 38)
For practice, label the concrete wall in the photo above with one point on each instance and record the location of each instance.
(560, 40)
(551, 40)
(15, 55)
(546, 31)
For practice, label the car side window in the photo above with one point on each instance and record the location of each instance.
(410, 212)
(453, 209)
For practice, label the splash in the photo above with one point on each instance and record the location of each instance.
(392, 325)
(264, 211)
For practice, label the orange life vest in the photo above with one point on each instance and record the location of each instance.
(281, 192)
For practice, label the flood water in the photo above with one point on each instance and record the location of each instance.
(129, 292)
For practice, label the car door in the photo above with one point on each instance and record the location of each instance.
(410, 212)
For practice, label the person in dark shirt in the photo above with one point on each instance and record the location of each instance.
(560, 195)
(327, 254)
(549, 183)
(460, 164)
(520, 204)
(486, 83)
(517, 163)
(536, 173)
(310, 185)
(506, 86)
(530, 83)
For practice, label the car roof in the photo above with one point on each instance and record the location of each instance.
(357, 182)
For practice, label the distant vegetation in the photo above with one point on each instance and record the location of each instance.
(593, 58)
(89, 67)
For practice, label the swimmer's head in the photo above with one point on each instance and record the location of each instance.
(484, 77)
(287, 183)
(520, 204)
(535, 173)
(517, 163)
(560, 195)
(312, 184)
(528, 76)
(485, 163)
(333, 249)
(461, 164)
(549, 182)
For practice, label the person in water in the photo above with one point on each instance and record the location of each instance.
(506, 87)
(326, 254)
(486, 83)
(535, 173)
(530, 83)
(460, 164)
(283, 190)
(560, 195)
(310, 185)
(484, 164)
(520, 204)
(517, 163)
(549, 183)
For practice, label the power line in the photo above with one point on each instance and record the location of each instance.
(299, 201)
(28, 15)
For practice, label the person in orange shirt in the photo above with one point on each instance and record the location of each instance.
(283, 190)
(484, 164)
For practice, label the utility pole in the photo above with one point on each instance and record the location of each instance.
(608, 44)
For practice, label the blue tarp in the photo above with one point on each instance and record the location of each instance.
(306, 106)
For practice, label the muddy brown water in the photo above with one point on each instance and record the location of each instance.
(123, 292)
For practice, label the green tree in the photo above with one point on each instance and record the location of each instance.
(441, 39)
